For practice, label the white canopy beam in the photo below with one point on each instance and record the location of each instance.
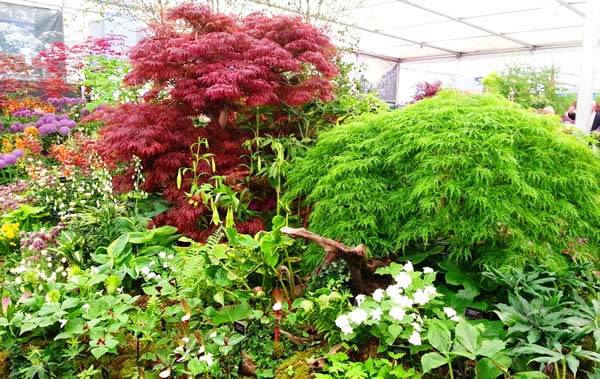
(568, 6)
(467, 23)
(588, 63)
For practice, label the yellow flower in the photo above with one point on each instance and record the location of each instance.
(7, 145)
(31, 131)
(10, 231)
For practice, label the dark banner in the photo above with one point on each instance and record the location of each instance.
(27, 30)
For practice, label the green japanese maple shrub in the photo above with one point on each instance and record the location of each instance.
(477, 174)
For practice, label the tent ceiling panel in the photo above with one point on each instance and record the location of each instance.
(447, 28)
(548, 37)
(537, 19)
(473, 8)
(478, 44)
(436, 32)
(389, 15)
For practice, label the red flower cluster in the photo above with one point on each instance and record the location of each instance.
(426, 89)
(206, 63)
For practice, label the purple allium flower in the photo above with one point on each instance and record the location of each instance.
(16, 127)
(64, 131)
(51, 123)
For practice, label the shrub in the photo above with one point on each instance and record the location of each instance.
(204, 63)
(475, 173)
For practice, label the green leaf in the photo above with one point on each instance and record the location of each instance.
(530, 375)
(99, 351)
(467, 335)
(431, 361)
(489, 348)
(117, 246)
(395, 330)
(486, 369)
(196, 367)
(439, 337)
(231, 314)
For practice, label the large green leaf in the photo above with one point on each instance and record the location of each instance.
(117, 246)
(467, 336)
(439, 337)
(486, 369)
(231, 314)
(431, 361)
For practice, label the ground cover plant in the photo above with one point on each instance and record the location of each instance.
(236, 211)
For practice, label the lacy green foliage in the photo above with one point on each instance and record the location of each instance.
(104, 78)
(475, 173)
(529, 86)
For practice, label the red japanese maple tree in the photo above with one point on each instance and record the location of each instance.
(212, 64)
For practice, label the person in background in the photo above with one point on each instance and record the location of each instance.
(595, 120)
(569, 116)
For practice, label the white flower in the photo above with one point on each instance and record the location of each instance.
(85, 307)
(64, 274)
(408, 267)
(63, 322)
(343, 323)
(397, 313)
(427, 270)
(430, 290)
(415, 338)
(171, 256)
(162, 255)
(393, 291)
(64, 260)
(418, 327)
(378, 295)
(186, 317)
(185, 339)
(450, 312)
(403, 301)
(165, 373)
(201, 350)
(145, 270)
(360, 298)
(403, 279)
(358, 316)
(277, 306)
(376, 314)
(421, 297)
(213, 334)
(207, 358)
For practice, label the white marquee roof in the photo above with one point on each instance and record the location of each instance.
(425, 29)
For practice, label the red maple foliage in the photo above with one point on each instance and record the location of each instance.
(427, 89)
(207, 63)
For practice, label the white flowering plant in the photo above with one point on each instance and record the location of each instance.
(399, 313)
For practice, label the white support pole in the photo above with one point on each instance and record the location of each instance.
(588, 63)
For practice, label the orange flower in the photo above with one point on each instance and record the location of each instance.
(28, 103)
(29, 144)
